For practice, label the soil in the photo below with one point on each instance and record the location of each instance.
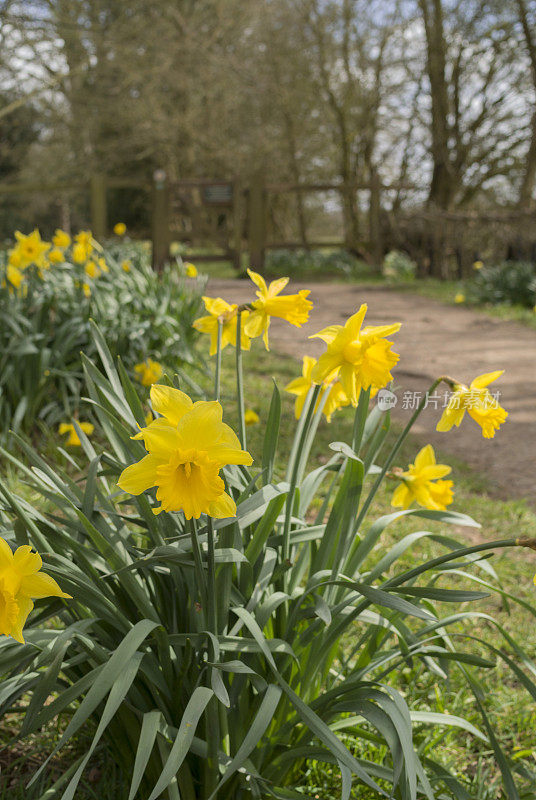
(435, 339)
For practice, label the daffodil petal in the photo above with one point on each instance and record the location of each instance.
(6, 555)
(25, 561)
(481, 381)
(258, 280)
(223, 507)
(40, 585)
(25, 605)
(139, 477)
(425, 457)
(171, 403)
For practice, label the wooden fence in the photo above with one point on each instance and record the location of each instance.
(243, 209)
(236, 218)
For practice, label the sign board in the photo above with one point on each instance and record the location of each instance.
(218, 194)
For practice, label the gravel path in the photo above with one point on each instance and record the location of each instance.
(435, 339)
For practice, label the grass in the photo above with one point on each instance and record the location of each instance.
(445, 292)
(513, 718)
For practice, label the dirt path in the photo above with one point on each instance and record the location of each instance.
(435, 339)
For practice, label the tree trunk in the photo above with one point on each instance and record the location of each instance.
(529, 174)
(442, 186)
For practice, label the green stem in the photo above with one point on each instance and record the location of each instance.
(212, 617)
(240, 381)
(217, 377)
(212, 712)
(198, 565)
(360, 419)
(294, 475)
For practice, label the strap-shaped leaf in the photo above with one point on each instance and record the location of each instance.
(103, 682)
(149, 729)
(255, 732)
(192, 713)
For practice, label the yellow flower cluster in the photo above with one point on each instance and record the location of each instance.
(22, 582)
(30, 250)
(188, 444)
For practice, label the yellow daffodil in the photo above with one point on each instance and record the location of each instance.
(14, 276)
(102, 264)
(300, 387)
(420, 483)
(360, 357)
(478, 265)
(86, 288)
(79, 253)
(459, 297)
(293, 308)
(92, 270)
(220, 309)
(479, 403)
(55, 256)
(120, 228)
(251, 417)
(74, 439)
(126, 266)
(22, 582)
(148, 417)
(190, 270)
(31, 249)
(83, 246)
(148, 372)
(187, 447)
(61, 239)
(15, 258)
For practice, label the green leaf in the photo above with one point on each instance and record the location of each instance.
(255, 732)
(192, 713)
(149, 729)
(271, 435)
(103, 681)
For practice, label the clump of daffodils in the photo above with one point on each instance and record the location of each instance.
(187, 446)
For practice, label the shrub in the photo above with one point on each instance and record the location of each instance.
(219, 654)
(314, 264)
(44, 325)
(399, 266)
(512, 282)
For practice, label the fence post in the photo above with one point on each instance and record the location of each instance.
(237, 224)
(257, 221)
(99, 212)
(160, 219)
(375, 234)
